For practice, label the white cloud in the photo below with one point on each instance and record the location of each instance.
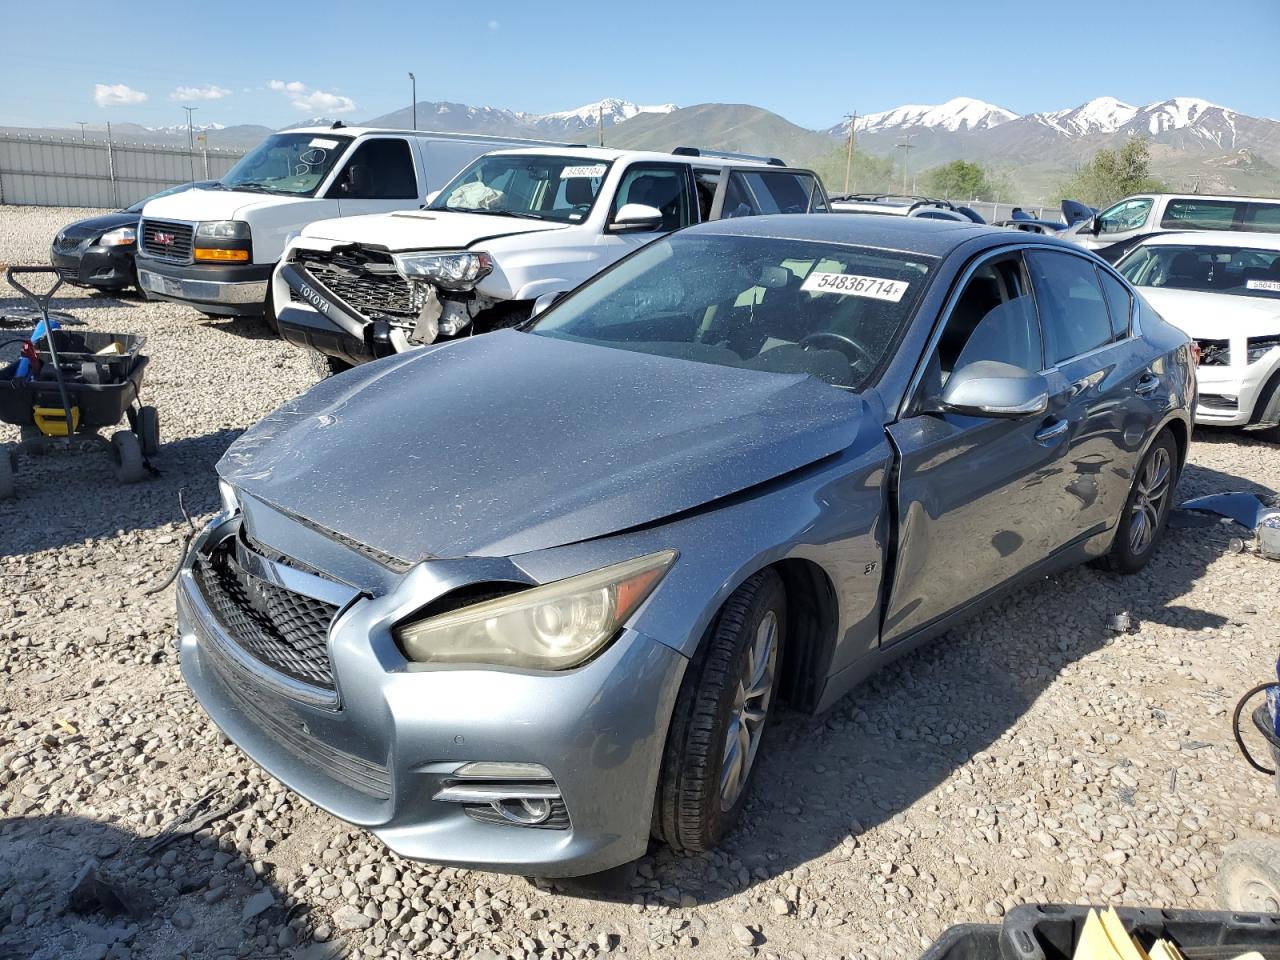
(116, 95)
(494, 24)
(210, 91)
(308, 100)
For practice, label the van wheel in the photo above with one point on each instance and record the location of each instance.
(269, 310)
(323, 365)
(1146, 509)
(720, 715)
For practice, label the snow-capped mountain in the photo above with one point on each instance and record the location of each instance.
(588, 115)
(182, 128)
(461, 118)
(958, 113)
(1099, 115)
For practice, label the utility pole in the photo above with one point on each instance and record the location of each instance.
(906, 152)
(848, 163)
(413, 86)
(600, 122)
(82, 123)
(191, 143)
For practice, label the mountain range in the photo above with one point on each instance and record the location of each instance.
(1193, 142)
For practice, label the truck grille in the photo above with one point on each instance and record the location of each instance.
(1215, 353)
(286, 631)
(364, 280)
(167, 240)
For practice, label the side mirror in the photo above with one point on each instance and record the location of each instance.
(547, 301)
(356, 182)
(989, 388)
(634, 218)
(430, 198)
(1094, 225)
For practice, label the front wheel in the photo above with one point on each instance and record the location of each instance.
(1146, 509)
(720, 716)
(126, 454)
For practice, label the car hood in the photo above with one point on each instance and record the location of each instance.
(511, 442)
(200, 204)
(96, 226)
(1215, 316)
(423, 229)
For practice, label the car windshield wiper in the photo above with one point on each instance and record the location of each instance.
(492, 213)
(250, 186)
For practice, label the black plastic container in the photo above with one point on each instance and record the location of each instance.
(103, 386)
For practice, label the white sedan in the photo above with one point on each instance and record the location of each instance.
(1223, 290)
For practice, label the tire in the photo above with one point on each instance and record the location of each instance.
(28, 433)
(126, 452)
(323, 365)
(269, 310)
(1146, 509)
(699, 796)
(148, 430)
(8, 475)
(1249, 876)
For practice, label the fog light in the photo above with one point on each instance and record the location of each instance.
(514, 794)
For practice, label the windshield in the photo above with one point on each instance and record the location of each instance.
(537, 186)
(783, 306)
(1242, 271)
(287, 163)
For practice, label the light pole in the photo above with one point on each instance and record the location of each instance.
(413, 83)
(191, 143)
(906, 152)
(82, 123)
(848, 163)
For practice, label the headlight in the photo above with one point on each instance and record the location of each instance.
(222, 230)
(553, 627)
(120, 237)
(455, 271)
(1259, 347)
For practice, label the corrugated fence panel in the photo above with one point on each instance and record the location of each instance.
(48, 171)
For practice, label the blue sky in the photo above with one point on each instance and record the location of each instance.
(274, 63)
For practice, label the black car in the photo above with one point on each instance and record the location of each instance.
(98, 252)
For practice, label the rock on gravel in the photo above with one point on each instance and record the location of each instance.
(1032, 754)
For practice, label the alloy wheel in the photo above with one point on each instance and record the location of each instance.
(1149, 500)
(750, 708)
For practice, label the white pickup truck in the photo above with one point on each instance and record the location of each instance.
(214, 246)
(513, 228)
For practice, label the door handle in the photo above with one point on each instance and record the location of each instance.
(1147, 384)
(1051, 432)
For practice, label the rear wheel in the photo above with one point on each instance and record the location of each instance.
(126, 453)
(720, 715)
(148, 429)
(8, 475)
(31, 434)
(1146, 509)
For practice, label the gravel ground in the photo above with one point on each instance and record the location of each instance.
(1030, 756)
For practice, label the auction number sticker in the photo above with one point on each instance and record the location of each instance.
(323, 143)
(1272, 286)
(853, 285)
(592, 171)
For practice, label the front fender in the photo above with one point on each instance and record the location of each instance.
(535, 289)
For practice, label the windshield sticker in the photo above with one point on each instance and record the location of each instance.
(593, 171)
(1272, 286)
(323, 144)
(852, 285)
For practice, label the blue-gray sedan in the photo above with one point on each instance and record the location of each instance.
(517, 601)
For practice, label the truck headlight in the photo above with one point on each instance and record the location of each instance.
(453, 271)
(119, 237)
(222, 230)
(1259, 347)
(552, 627)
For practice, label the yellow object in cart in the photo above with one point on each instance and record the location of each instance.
(52, 421)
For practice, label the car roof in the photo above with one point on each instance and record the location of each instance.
(1198, 196)
(929, 237)
(609, 154)
(1215, 238)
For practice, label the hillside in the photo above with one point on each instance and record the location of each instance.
(738, 127)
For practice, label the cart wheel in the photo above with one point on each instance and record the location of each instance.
(30, 433)
(148, 430)
(126, 451)
(8, 480)
(1249, 877)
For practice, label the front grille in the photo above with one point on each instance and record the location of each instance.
(167, 240)
(364, 280)
(64, 244)
(1215, 353)
(286, 631)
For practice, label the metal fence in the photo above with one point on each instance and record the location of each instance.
(50, 171)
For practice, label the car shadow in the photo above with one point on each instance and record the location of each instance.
(74, 887)
(822, 781)
(250, 328)
(70, 496)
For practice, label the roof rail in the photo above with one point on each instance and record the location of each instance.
(726, 155)
(902, 198)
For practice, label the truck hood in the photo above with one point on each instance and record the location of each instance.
(512, 442)
(204, 204)
(423, 229)
(1215, 316)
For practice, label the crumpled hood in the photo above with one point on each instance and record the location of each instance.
(510, 442)
(1215, 316)
(422, 229)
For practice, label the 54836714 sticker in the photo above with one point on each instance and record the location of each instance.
(854, 285)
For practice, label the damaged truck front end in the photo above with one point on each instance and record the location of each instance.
(357, 303)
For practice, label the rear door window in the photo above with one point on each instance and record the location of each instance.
(751, 193)
(1073, 313)
(1189, 213)
(1263, 217)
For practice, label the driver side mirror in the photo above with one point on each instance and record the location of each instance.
(635, 218)
(1093, 225)
(547, 301)
(430, 198)
(356, 182)
(988, 388)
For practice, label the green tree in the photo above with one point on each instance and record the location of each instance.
(1112, 175)
(870, 173)
(958, 180)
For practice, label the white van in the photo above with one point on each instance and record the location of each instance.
(214, 247)
(1113, 231)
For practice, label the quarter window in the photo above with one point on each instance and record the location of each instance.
(1125, 215)
(1263, 217)
(1073, 312)
(663, 186)
(1119, 304)
(1193, 214)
